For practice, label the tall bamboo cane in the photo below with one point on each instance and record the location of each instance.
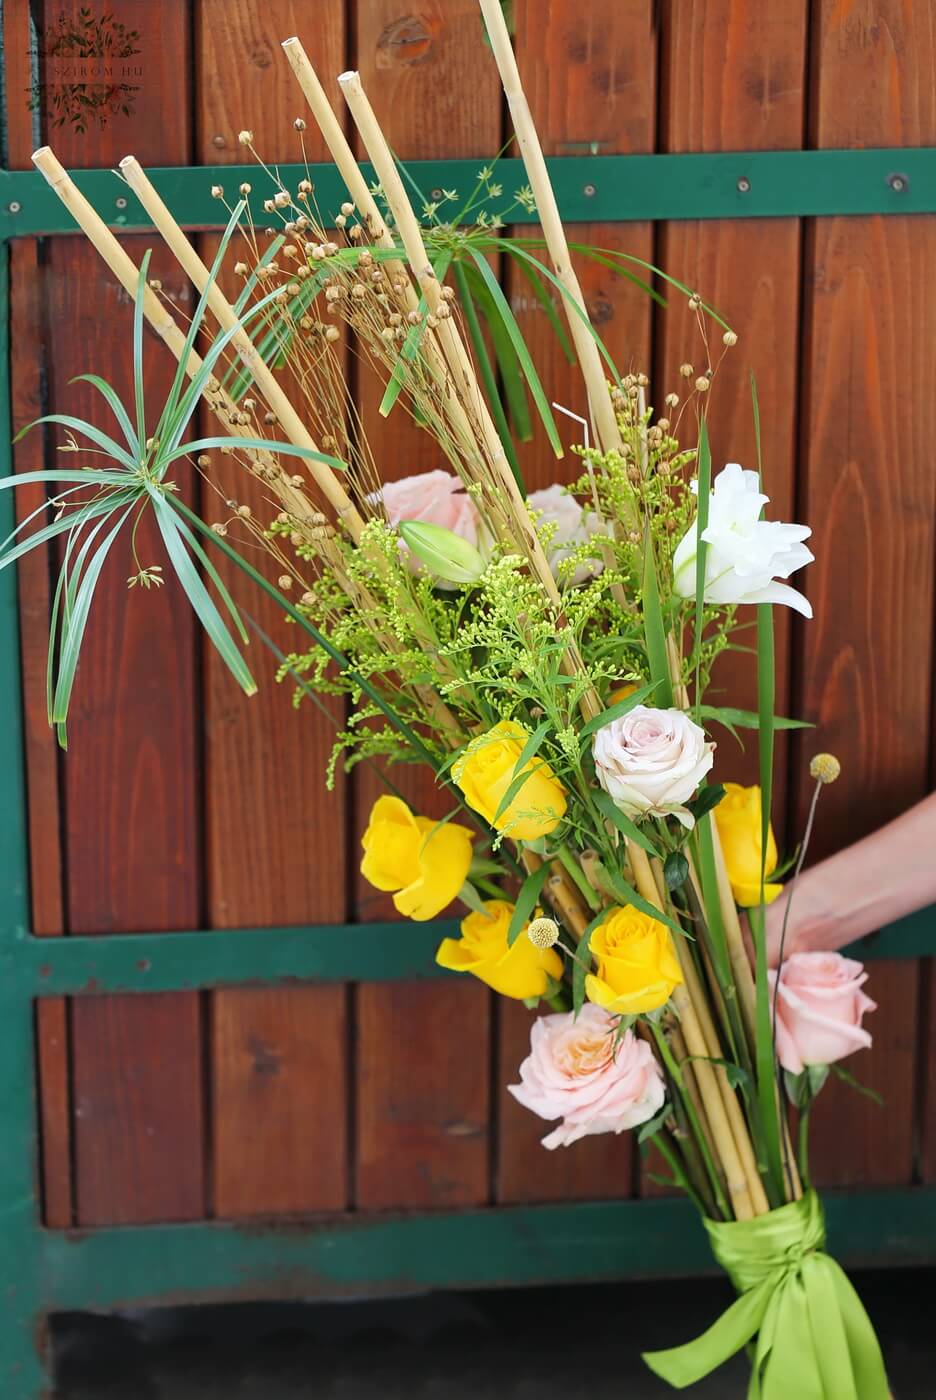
(602, 410)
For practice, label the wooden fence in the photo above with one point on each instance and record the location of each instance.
(181, 805)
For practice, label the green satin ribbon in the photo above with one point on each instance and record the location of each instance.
(814, 1339)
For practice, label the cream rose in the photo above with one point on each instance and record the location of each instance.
(650, 762)
(556, 507)
(746, 555)
(575, 1072)
(820, 1006)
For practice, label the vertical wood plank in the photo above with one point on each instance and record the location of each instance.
(869, 423)
(590, 77)
(275, 839)
(422, 1049)
(41, 758)
(734, 79)
(130, 809)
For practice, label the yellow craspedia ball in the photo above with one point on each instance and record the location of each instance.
(543, 933)
(825, 768)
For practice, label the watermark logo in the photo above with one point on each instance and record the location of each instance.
(90, 70)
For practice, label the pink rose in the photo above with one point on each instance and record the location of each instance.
(575, 1072)
(819, 1009)
(437, 497)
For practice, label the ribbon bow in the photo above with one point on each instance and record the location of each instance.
(814, 1339)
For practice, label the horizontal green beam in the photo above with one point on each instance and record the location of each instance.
(720, 185)
(519, 1245)
(171, 962)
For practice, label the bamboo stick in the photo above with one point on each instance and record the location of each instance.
(350, 172)
(602, 410)
(266, 382)
(741, 1188)
(128, 275)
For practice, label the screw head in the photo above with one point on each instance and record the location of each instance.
(898, 183)
(14, 206)
(589, 191)
(744, 185)
(435, 194)
(121, 202)
(218, 140)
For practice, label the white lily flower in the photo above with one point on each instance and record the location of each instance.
(746, 555)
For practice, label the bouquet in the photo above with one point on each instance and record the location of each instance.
(547, 656)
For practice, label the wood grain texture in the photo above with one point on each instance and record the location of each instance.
(275, 845)
(590, 76)
(130, 808)
(734, 79)
(40, 752)
(422, 1127)
(869, 490)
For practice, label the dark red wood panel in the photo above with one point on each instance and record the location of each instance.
(130, 777)
(869, 490)
(275, 846)
(734, 79)
(44, 816)
(422, 1129)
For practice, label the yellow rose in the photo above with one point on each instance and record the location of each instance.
(485, 771)
(738, 818)
(517, 971)
(637, 964)
(621, 693)
(424, 862)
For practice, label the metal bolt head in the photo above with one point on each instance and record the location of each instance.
(744, 185)
(218, 140)
(121, 202)
(435, 194)
(898, 183)
(14, 206)
(589, 191)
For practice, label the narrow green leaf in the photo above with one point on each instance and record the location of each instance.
(528, 271)
(747, 719)
(215, 578)
(470, 313)
(77, 618)
(704, 461)
(617, 710)
(653, 1125)
(112, 399)
(654, 629)
(523, 354)
(527, 899)
(847, 1078)
(189, 449)
(626, 894)
(66, 522)
(625, 825)
(88, 430)
(199, 597)
(197, 319)
(521, 425)
(83, 476)
(584, 962)
(138, 397)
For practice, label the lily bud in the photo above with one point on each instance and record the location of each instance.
(444, 553)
